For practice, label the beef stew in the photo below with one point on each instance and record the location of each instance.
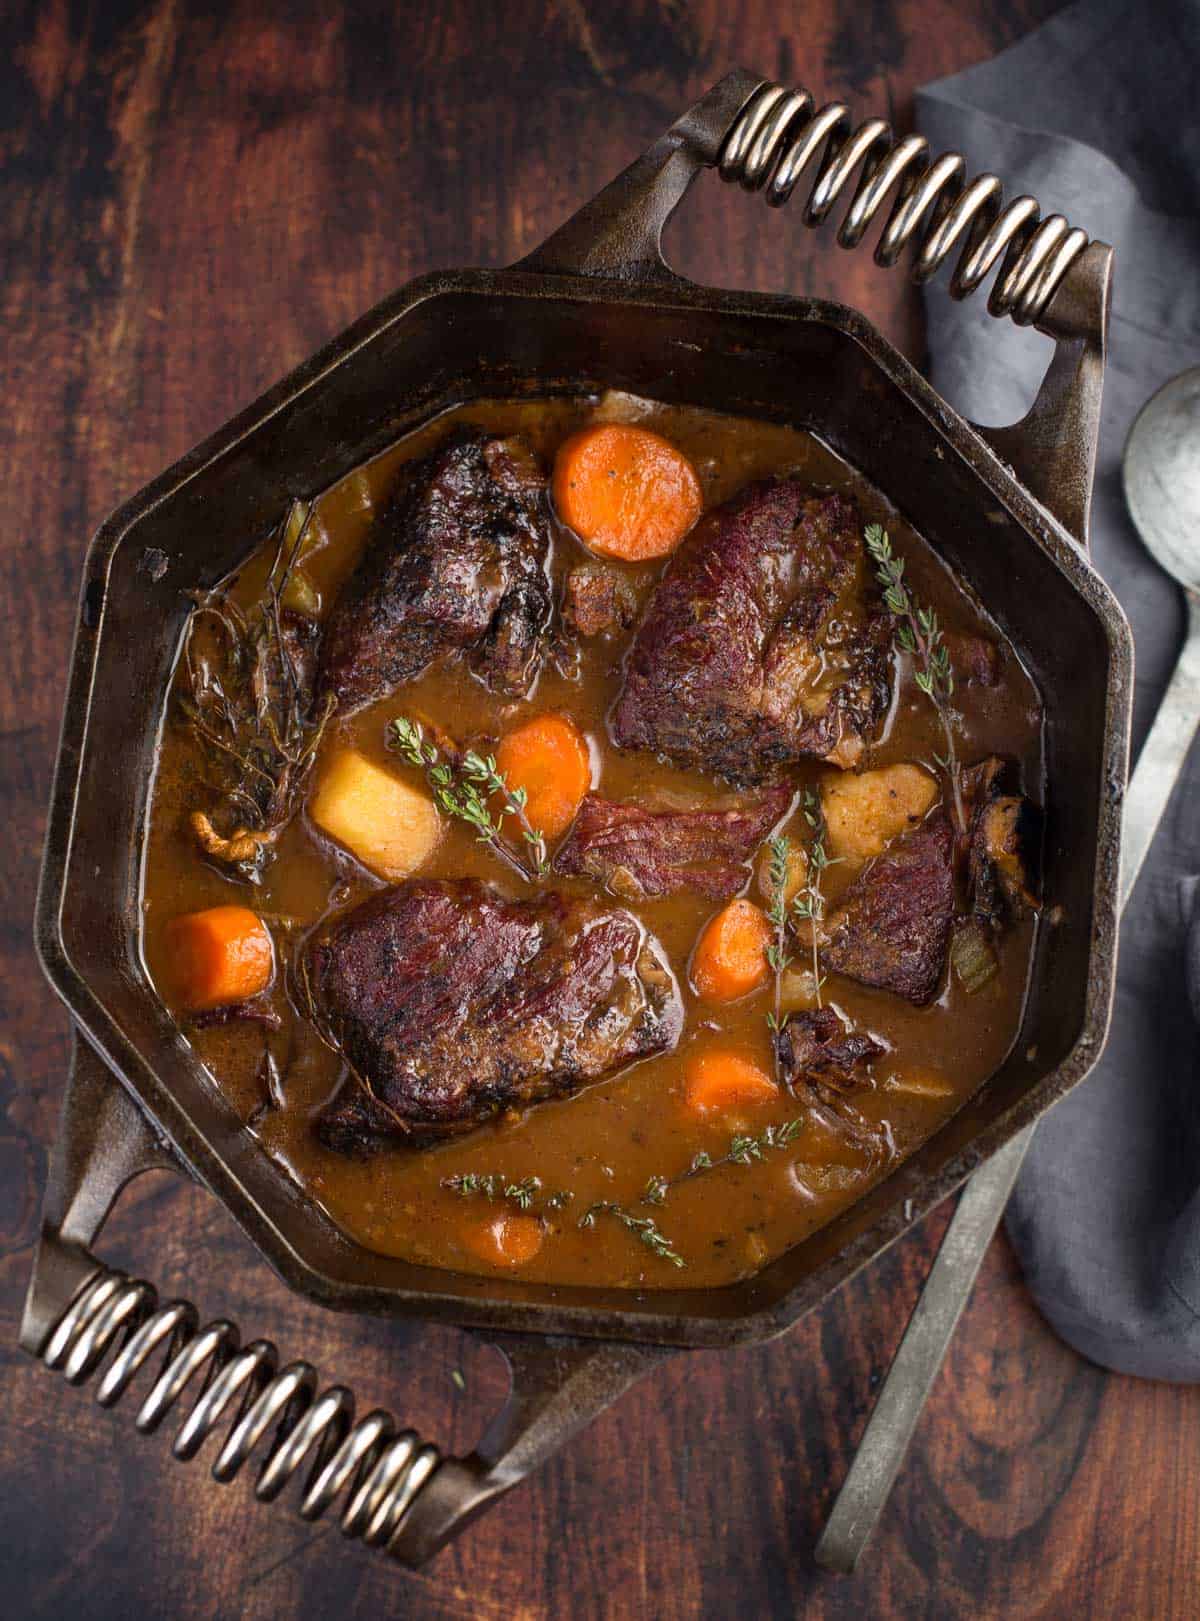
(688, 1131)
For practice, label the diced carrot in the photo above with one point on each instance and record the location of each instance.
(547, 757)
(219, 956)
(626, 492)
(506, 1240)
(730, 958)
(716, 1081)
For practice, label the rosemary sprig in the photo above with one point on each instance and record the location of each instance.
(643, 1227)
(919, 634)
(809, 903)
(463, 788)
(499, 1188)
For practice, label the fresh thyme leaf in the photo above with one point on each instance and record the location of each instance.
(463, 788)
(492, 1185)
(644, 1229)
(919, 634)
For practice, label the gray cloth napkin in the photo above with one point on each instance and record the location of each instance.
(1096, 115)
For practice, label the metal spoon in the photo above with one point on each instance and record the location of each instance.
(1162, 489)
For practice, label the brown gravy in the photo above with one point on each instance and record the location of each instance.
(606, 1142)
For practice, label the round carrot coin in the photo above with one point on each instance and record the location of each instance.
(219, 956)
(716, 1082)
(507, 1240)
(547, 757)
(626, 492)
(730, 959)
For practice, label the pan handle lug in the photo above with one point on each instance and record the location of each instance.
(619, 233)
(558, 1387)
(1053, 448)
(104, 1140)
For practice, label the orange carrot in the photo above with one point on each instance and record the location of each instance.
(219, 956)
(547, 757)
(716, 1081)
(730, 958)
(626, 492)
(507, 1240)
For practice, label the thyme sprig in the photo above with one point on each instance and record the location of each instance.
(919, 634)
(809, 904)
(743, 1150)
(644, 1228)
(464, 787)
(780, 848)
(497, 1187)
(241, 694)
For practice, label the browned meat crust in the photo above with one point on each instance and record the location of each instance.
(1004, 844)
(892, 928)
(457, 560)
(642, 852)
(823, 1062)
(597, 602)
(816, 1049)
(451, 1003)
(764, 643)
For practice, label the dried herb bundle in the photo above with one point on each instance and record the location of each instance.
(247, 696)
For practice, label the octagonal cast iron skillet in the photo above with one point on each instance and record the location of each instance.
(595, 307)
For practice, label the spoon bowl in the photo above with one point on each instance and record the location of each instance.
(1162, 477)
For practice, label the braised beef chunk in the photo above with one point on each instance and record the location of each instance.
(451, 1003)
(597, 602)
(764, 643)
(892, 927)
(637, 852)
(457, 560)
(823, 1062)
(1004, 844)
(815, 1048)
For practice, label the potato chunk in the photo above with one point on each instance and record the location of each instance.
(866, 810)
(391, 827)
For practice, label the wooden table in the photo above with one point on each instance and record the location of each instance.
(194, 198)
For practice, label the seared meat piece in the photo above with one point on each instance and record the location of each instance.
(642, 852)
(450, 1003)
(1004, 844)
(764, 643)
(456, 560)
(892, 928)
(597, 601)
(823, 1062)
(816, 1049)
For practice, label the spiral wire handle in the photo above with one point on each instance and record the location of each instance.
(780, 134)
(381, 1470)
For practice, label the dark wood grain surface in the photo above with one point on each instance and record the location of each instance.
(194, 197)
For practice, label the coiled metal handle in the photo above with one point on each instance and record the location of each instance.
(379, 1469)
(780, 134)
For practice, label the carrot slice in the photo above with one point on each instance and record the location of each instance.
(716, 1081)
(507, 1240)
(219, 956)
(547, 757)
(730, 958)
(626, 492)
